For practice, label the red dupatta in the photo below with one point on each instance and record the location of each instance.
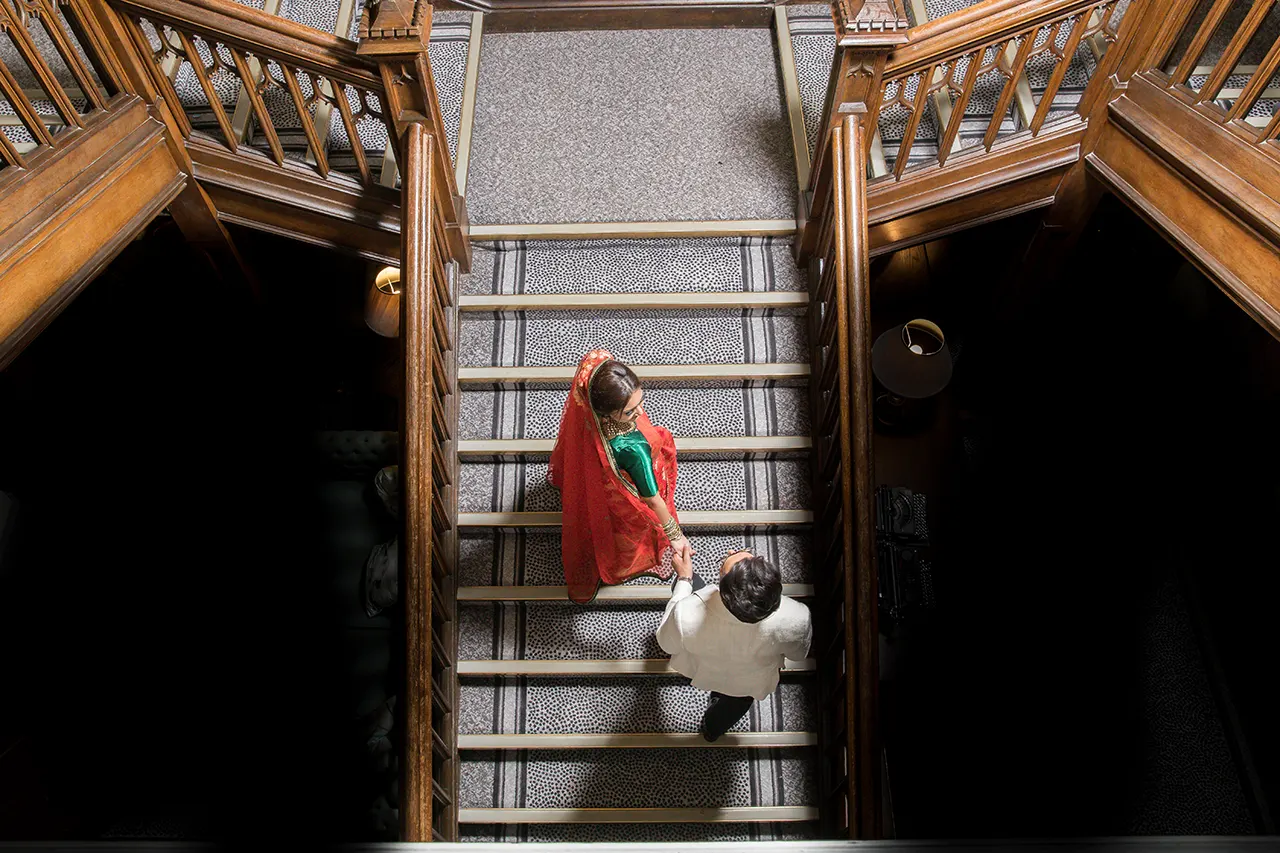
(608, 533)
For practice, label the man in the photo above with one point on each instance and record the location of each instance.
(732, 639)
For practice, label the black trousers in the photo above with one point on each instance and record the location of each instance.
(723, 711)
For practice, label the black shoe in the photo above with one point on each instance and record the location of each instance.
(706, 735)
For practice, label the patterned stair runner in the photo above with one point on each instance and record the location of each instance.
(607, 755)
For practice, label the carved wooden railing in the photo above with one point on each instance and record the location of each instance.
(96, 81)
(846, 643)
(306, 158)
(986, 47)
(1234, 108)
(303, 74)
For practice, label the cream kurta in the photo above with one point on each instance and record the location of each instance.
(708, 644)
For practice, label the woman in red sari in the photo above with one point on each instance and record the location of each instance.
(616, 473)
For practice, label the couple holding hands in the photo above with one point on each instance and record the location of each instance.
(616, 473)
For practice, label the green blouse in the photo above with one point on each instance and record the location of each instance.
(632, 453)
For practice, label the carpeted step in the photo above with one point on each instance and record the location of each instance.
(619, 705)
(552, 631)
(705, 265)
(569, 833)
(647, 110)
(551, 338)
(688, 411)
(532, 557)
(637, 778)
(702, 485)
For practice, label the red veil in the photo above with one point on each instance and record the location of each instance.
(608, 533)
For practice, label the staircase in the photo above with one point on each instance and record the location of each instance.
(570, 720)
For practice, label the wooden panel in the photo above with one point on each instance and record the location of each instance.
(1239, 259)
(250, 190)
(88, 213)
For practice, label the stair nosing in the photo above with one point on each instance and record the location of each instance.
(636, 740)
(574, 667)
(733, 518)
(634, 301)
(634, 592)
(650, 372)
(727, 814)
(695, 445)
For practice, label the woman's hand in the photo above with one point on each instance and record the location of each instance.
(681, 559)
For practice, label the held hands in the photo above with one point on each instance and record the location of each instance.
(682, 559)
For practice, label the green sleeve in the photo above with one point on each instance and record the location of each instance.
(632, 453)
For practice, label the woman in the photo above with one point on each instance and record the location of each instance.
(616, 473)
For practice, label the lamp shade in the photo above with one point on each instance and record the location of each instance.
(912, 360)
(382, 303)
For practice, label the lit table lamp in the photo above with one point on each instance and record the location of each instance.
(382, 303)
(912, 363)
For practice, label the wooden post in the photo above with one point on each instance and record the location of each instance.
(866, 31)
(861, 590)
(395, 34)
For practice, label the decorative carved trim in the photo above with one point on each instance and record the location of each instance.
(396, 20)
(868, 23)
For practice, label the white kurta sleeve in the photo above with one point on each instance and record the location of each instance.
(668, 630)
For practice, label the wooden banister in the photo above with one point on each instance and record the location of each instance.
(847, 641)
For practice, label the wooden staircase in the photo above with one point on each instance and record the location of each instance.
(87, 160)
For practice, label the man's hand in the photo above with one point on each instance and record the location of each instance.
(682, 559)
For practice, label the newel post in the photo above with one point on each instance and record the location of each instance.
(867, 31)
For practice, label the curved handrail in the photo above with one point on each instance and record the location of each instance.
(977, 26)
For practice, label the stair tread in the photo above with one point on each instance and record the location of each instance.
(703, 412)
(636, 592)
(638, 666)
(640, 815)
(728, 265)
(648, 372)
(605, 779)
(667, 301)
(618, 704)
(692, 444)
(707, 485)
(735, 518)
(636, 740)
(514, 557)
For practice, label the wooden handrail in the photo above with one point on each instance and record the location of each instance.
(252, 29)
(980, 24)
(843, 483)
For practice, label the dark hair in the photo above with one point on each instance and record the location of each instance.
(752, 589)
(612, 386)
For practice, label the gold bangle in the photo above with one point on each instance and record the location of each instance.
(673, 531)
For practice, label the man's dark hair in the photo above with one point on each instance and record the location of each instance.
(611, 387)
(752, 589)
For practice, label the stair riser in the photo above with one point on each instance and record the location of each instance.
(618, 705)
(637, 778)
(710, 265)
(702, 485)
(559, 338)
(532, 558)
(546, 631)
(688, 411)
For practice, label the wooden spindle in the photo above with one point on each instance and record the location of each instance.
(254, 91)
(958, 108)
(1059, 72)
(1010, 89)
(913, 123)
(210, 93)
(1257, 84)
(348, 122)
(315, 145)
(1231, 55)
(1201, 40)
